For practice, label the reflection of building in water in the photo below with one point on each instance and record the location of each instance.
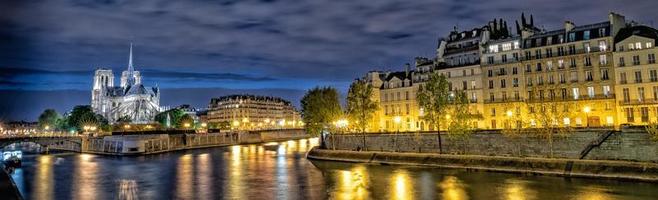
(131, 100)
(127, 190)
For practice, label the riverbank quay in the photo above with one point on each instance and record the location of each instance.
(125, 145)
(8, 189)
(624, 154)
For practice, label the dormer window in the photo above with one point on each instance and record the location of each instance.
(649, 45)
(463, 35)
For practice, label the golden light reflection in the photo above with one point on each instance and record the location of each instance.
(518, 190)
(353, 184)
(453, 189)
(86, 177)
(204, 186)
(593, 193)
(185, 175)
(235, 185)
(44, 180)
(402, 185)
(127, 190)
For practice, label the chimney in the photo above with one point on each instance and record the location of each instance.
(617, 22)
(407, 66)
(568, 26)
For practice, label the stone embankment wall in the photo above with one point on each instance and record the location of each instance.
(149, 144)
(631, 145)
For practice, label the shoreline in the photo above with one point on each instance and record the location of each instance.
(569, 168)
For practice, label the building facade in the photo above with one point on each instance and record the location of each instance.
(250, 112)
(132, 100)
(592, 75)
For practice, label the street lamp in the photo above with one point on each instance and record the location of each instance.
(397, 120)
(587, 109)
(341, 123)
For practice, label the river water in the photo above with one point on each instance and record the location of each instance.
(281, 171)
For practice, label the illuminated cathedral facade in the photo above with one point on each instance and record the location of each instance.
(131, 101)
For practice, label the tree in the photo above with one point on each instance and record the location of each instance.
(83, 115)
(49, 118)
(432, 97)
(360, 106)
(320, 107)
(169, 118)
(460, 123)
(547, 115)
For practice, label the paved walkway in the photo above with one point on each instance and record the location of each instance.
(8, 190)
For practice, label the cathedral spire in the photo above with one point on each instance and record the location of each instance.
(131, 70)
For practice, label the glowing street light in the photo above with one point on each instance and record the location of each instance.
(587, 109)
(397, 120)
(186, 125)
(509, 113)
(204, 125)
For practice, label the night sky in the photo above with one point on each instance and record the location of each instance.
(195, 50)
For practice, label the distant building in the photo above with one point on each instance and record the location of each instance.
(130, 100)
(253, 112)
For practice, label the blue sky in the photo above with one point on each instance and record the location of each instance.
(242, 46)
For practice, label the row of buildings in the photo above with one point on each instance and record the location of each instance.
(602, 74)
(139, 104)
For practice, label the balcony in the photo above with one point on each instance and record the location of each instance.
(503, 100)
(638, 102)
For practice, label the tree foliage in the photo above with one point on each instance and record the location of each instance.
(175, 116)
(83, 115)
(461, 119)
(49, 118)
(547, 115)
(360, 105)
(433, 98)
(320, 107)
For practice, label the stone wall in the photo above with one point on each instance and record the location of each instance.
(624, 145)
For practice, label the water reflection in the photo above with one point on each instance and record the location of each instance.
(403, 188)
(43, 182)
(453, 189)
(280, 171)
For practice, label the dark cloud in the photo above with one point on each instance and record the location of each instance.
(254, 43)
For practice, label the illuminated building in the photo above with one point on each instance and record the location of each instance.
(601, 74)
(253, 112)
(131, 100)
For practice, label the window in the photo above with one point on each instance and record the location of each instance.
(527, 68)
(515, 82)
(655, 93)
(588, 61)
(590, 92)
(551, 80)
(586, 35)
(574, 76)
(549, 52)
(490, 60)
(601, 32)
(586, 47)
(572, 37)
(621, 62)
(406, 95)
(491, 84)
(560, 64)
(489, 73)
(493, 48)
(507, 46)
(606, 90)
(640, 94)
(529, 81)
(491, 97)
(622, 78)
(464, 85)
(653, 76)
(504, 96)
(602, 45)
(539, 67)
(576, 93)
(572, 49)
(537, 54)
(603, 59)
(651, 58)
(563, 92)
(527, 55)
(604, 74)
(636, 60)
(629, 115)
(473, 85)
(638, 77)
(562, 78)
(502, 83)
(644, 114)
(514, 70)
(588, 76)
(560, 51)
(630, 46)
(649, 45)
(638, 45)
(626, 94)
(504, 58)
(516, 96)
(549, 65)
(515, 56)
(516, 44)
(572, 63)
(540, 80)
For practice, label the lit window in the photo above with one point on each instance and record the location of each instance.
(576, 93)
(567, 121)
(638, 45)
(610, 121)
(579, 121)
(649, 45)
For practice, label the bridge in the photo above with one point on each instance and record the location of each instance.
(68, 142)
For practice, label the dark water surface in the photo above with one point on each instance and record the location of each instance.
(281, 171)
